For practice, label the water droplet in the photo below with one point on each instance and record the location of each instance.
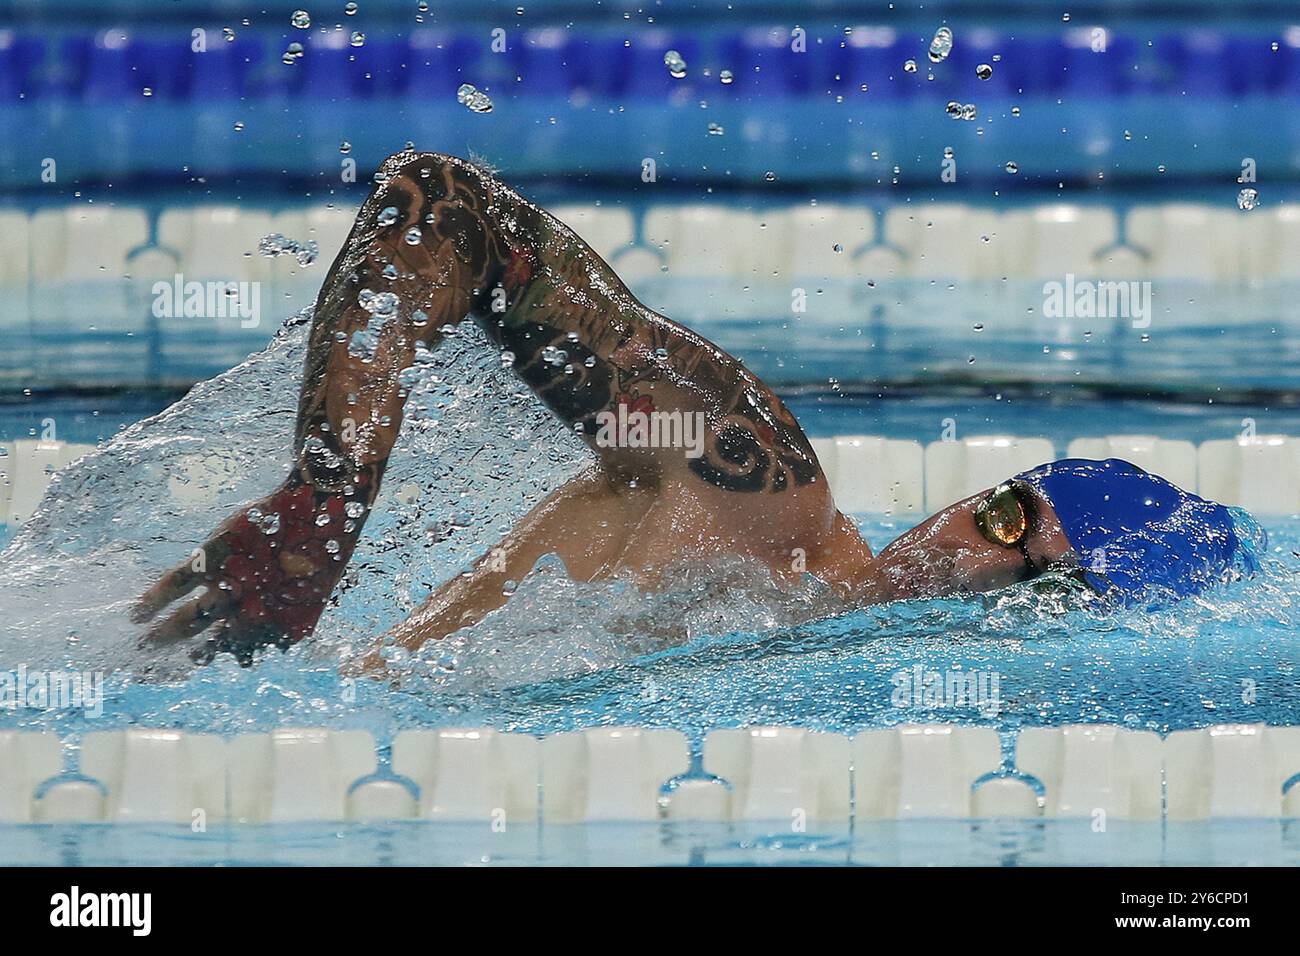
(941, 45)
(239, 126)
(954, 109)
(1013, 168)
(1247, 199)
(419, 318)
(969, 112)
(676, 65)
(1160, 168)
(715, 129)
(725, 77)
(979, 326)
(413, 236)
(473, 98)
(345, 147)
(837, 248)
(909, 66)
(984, 71)
(354, 509)
(358, 38)
(147, 91)
(350, 9)
(228, 34)
(507, 359)
(1015, 111)
(770, 176)
(387, 216)
(292, 53)
(379, 304)
(301, 19)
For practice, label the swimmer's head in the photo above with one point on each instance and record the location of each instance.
(1135, 535)
(987, 541)
(1130, 535)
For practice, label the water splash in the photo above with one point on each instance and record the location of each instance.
(121, 516)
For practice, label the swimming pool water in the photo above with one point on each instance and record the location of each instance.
(564, 656)
(1227, 657)
(877, 843)
(1060, 413)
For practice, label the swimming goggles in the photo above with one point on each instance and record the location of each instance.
(1003, 518)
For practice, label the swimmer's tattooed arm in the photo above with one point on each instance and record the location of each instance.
(419, 253)
(586, 346)
(439, 239)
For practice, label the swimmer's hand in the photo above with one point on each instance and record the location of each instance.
(268, 572)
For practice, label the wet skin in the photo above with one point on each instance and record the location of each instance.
(535, 288)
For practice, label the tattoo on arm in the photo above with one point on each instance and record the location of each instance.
(585, 345)
(439, 239)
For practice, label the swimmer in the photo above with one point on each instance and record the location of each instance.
(440, 239)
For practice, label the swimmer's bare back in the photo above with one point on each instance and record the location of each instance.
(447, 240)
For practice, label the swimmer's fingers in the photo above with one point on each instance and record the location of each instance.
(192, 618)
(173, 586)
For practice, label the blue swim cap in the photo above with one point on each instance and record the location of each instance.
(1138, 536)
